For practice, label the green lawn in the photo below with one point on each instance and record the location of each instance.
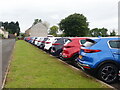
(33, 68)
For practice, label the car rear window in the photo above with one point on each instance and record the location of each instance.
(65, 40)
(45, 39)
(68, 41)
(89, 43)
(82, 41)
(115, 44)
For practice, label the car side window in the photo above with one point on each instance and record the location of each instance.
(115, 44)
(65, 40)
(89, 43)
(68, 41)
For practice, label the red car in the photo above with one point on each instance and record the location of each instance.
(71, 48)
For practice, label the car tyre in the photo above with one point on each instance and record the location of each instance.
(49, 51)
(108, 73)
(74, 60)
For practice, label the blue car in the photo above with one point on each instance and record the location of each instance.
(101, 56)
(30, 40)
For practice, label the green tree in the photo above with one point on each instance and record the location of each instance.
(94, 32)
(113, 33)
(74, 25)
(12, 27)
(37, 21)
(53, 30)
(1, 23)
(17, 28)
(103, 32)
(5, 25)
(98, 32)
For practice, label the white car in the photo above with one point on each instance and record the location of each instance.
(40, 41)
(36, 40)
(49, 42)
(33, 38)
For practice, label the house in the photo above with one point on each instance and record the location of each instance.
(38, 30)
(4, 33)
(1, 31)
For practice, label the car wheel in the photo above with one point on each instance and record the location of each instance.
(108, 73)
(49, 51)
(74, 60)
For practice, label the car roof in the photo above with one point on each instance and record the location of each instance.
(105, 38)
(77, 38)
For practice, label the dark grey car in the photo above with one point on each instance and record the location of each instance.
(57, 46)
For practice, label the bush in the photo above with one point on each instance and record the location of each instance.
(1, 35)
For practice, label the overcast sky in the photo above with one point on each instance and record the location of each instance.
(99, 13)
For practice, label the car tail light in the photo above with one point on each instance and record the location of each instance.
(56, 44)
(38, 41)
(86, 67)
(43, 41)
(47, 42)
(90, 51)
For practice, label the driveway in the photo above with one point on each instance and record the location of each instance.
(6, 47)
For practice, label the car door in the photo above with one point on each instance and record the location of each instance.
(115, 49)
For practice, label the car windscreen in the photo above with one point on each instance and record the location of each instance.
(115, 44)
(45, 39)
(61, 40)
(89, 43)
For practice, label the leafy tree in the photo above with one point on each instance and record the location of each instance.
(99, 32)
(12, 27)
(113, 33)
(1, 23)
(103, 32)
(37, 21)
(74, 25)
(94, 32)
(17, 28)
(53, 30)
(5, 25)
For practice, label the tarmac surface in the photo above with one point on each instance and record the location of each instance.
(6, 47)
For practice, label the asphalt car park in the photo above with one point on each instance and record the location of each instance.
(109, 72)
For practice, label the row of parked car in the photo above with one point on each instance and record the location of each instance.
(99, 55)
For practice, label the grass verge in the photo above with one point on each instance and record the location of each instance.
(33, 68)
